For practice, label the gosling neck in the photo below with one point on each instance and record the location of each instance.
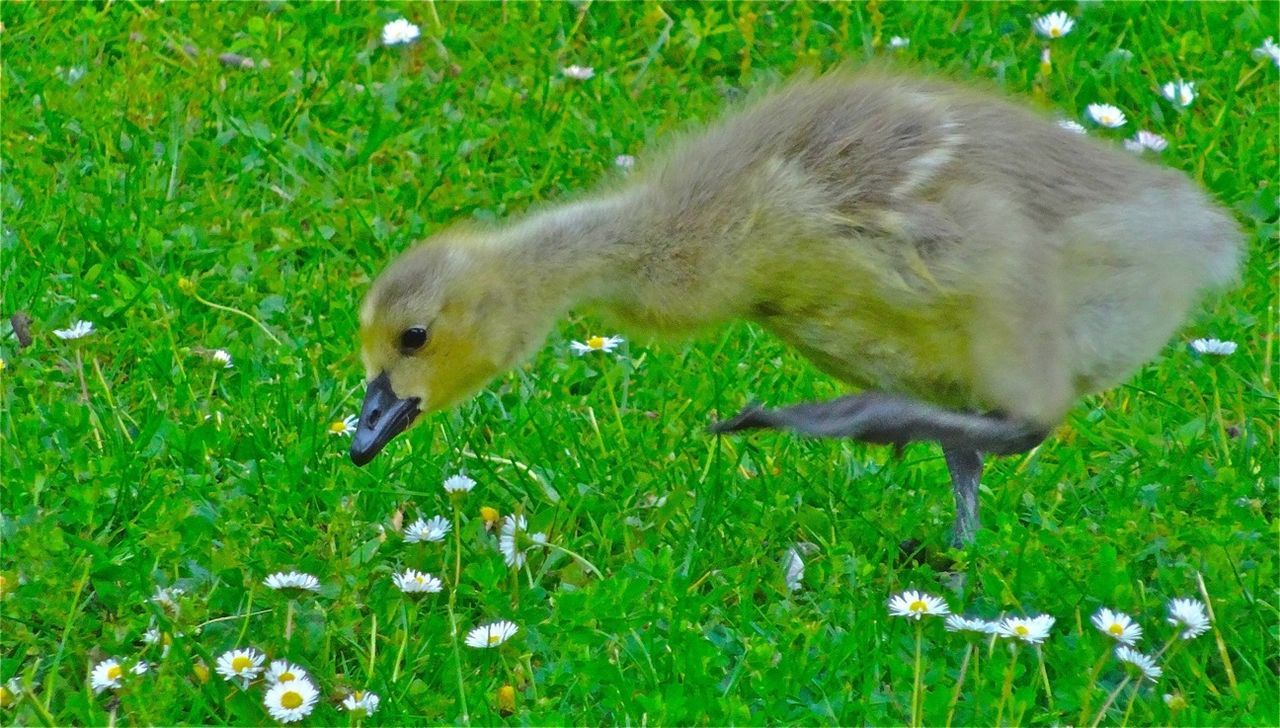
(577, 252)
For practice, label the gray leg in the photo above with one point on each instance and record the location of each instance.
(888, 419)
(966, 470)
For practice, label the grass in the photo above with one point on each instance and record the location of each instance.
(134, 159)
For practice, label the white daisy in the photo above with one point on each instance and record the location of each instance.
(1033, 630)
(167, 598)
(1106, 115)
(1189, 616)
(1146, 140)
(1179, 93)
(1214, 346)
(240, 666)
(515, 541)
(579, 73)
(793, 568)
(10, 692)
(491, 635)
(624, 161)
(78, 330)
(957, 623)
(399, 32)
(1268, 49)
(291, 701)
(1074, 126)
(344, 426)
(140, 667)
(434, 530)
(292, 580)
(283, 671)
(1118, 626)
(914, 605)
(459, 484)
(1054, 25)
(897, 42)
(223, 357)
(362, 702)
(595, 343)
(417, 582)
(1145, 663)
(107, 675)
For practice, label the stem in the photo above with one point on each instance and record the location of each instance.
(916, 683)
(1007, 689)
(590, 566)
(1129, 708)
(1213, 619)
(1044, 675)
(955, 695)
(457, 658)
(288, 622)
(1088, 691)
(404, 642)
(1107, 705)
(238, 312)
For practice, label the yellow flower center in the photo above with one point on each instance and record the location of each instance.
(1116, 629)
(596, 342)
(918, 606)
(358, 695)
(115, 672)
(419, 579)
(287, 676)
(6, 697)
(240, 663)
(494, 638)
(291, 700)
(337, 426)
(1021, 630)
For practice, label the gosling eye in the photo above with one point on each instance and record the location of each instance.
(413, 339)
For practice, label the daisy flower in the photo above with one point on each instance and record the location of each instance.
(1146, 140)
(1189, 616)
(433, 530)
(1032, 631)
(240, 666)
(1118, 626)
(362, 702)
(1106, 115)
(624, 161)
(78, 330)
(459, 484)
(595, 343)
(167, 598)
(1074, 126)
(1214, 346)
(491, 635)
(1175, 700)
(140, 667)
(10, 692)
(579, 73)
(417, 582)
(344, 426)
(292, 580)
(399, 32)
(1054, 25)
(223, 357)
(280, 671)
(490, 516)
(289, 702)
(107, 675)
(793, 568)
(515, 541)
(898, 42)
(957, 623)
(914, 605)
(1268, 49)
(1179, 93)
(1144, 663)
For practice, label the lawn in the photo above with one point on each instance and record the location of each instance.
(188, 202)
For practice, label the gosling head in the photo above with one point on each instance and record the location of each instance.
(437, 324)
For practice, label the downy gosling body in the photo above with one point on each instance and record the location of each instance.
(968, 264)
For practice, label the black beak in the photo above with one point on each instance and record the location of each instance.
(383, 417)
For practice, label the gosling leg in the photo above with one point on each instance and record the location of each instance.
(966, 470)
(888, 419)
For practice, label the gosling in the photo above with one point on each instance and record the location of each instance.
(968, 265)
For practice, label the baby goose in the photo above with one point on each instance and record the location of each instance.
(970, 265)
